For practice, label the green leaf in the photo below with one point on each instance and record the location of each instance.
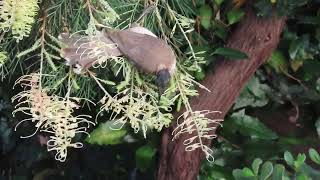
(266, 170)
(218, 2)
(288, 158)
(301, 158)
(298, 47)
(244, 174)
(278, 172)
(250, 126)
(278, 62)
(144, 157)
(294, 48)
(237, 174)
(218, 172)
(308, 170)
(299, 161)
(235, 15)
(220, 30)
(247, 172)
(205, 16)
(253, 95)
(231, 53)
(314, 156)
(105, 135)
(303, 177)
(255, 165)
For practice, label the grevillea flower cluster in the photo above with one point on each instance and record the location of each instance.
(51, 114)
(18, 15)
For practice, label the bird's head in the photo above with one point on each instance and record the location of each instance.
(163, 78)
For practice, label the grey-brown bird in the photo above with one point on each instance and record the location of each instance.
(144, 49)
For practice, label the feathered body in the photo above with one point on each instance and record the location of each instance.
(144, 49)
(149, 53)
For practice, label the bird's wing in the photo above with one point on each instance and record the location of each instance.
(85, 50)
(142, 30)
(147, 52)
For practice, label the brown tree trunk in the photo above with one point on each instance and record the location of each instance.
(255, 36)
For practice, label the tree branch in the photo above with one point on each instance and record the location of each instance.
(255, 36)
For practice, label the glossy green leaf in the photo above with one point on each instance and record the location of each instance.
(266, 171)
(278, 61)
(220, 30)
(205, 16)
(231, 53)
(254, 94)
(294, 48)
(314, 156)
(247, 172)
(278, 172)
(300, 160)
(242, 174)
(237, 174)
(308, 170)
(144, 157)
(235, 15)
(105, 135)
(250, 126)
(256, 165)
(298, 47)
(288, 158)
(218, 172)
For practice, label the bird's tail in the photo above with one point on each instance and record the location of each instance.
(85, 50)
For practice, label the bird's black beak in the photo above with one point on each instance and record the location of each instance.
(163, 78)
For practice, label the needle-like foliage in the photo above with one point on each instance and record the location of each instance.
(128, 95)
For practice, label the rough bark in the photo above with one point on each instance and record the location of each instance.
(255, 36)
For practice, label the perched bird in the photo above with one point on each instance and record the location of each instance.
(147, 52)
(143, 48)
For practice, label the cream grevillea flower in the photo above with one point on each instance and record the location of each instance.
(51, 114)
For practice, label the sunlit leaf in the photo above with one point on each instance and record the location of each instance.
(247, 172)
(256, 165)
(235, 15)
(289, 158)
(266, 170)
(314, 156)
(106, 134)
(278, 62)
